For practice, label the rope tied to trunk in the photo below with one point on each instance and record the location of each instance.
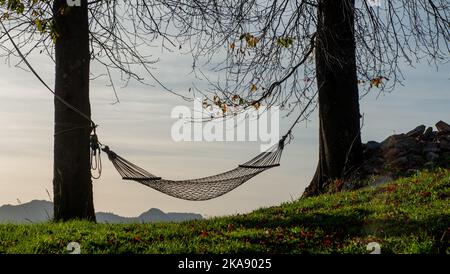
(96, 159)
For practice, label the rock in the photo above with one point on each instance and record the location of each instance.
(429, 134)
(400, 162)
(442, 137)
(444, 144)
(381, 180)
(372, 145)
(402, 154)
(375, 170)
(417, 132)
(411, 146)
(442, 126)
(393, 153)
(402, 144)
(431, 147)
(411, 172)
(371, 148)
(391, 141)
(400, 148)
(446, 158)
(348, 186)
(368, 168)
(429, 165)
(415, 161)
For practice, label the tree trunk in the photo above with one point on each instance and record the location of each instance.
(340, 148)
(72, 184)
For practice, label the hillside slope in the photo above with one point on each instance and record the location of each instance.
(410, 215)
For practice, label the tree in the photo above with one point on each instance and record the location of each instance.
(340, 148)
(72, 184)
(107, 32)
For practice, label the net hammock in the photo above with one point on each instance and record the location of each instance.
(200, 189)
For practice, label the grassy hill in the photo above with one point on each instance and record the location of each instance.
(410, 215)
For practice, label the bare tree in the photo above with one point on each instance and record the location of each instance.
(112, 33)
(285, 52)
(267, 52)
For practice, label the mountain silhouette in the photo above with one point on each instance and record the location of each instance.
(38, 211)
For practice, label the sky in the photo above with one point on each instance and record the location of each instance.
(139, 129)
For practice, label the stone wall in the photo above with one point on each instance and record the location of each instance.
(402, 153)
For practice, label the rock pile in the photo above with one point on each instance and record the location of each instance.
(399, 154)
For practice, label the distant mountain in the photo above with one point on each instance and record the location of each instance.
(152, 215)
(33, 212)
(40, 211)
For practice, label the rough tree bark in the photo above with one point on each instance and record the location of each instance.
(340, 148)
(72, 184)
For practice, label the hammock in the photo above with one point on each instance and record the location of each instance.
(203, 188)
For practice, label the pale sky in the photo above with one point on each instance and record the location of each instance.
(139, 129)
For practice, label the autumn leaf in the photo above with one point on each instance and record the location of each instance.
(285, 41)
(250, 39)
(137, 238)
(256, 105)
(235, 97)
(54, 34)
(39, 25)
(34, 13)
(204, 234)
(20, 8)
(224, 108)
(305, 234)
(243, 36)
(377, 81)
(253, 88)
(327, 241)
(252, 42)
(55, 37)
(205, 103)
(5, 16)
(391, 188)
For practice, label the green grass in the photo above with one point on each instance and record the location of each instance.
(410, 215)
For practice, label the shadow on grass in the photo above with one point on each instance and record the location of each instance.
(345, 226)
